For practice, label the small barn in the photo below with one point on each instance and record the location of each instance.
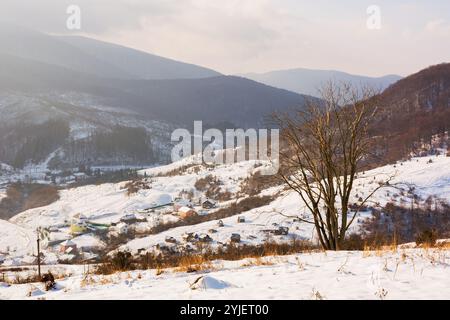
(208, 204)
(186, 212)
(68, 247)
(121, 228)
(131, 219)
(180, 203)
(80, 176)
(80, 217)
(78, 228)
(88, 243)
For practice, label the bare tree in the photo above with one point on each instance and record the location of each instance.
(324, 147)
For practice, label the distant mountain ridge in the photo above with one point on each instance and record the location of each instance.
(243, 102)
(309, 81)
(138, 64)
(94, 57)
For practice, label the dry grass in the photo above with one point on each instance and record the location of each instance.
(316, 295)
(445, 245)
(19, 277)
(159, 271)
(258, 262)
(195, 263)
(200, 262)
(189, 168)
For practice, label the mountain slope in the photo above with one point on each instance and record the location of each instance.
(33, 93)
(93, 57)
(239, 101)
(307, 81)
(140, 65)
(36, 46)
(414, 109)
(224, 98)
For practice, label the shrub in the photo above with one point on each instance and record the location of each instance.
(209, 181)
(121, 261)
(354, 241)
(257, 182)
(134, 186)
(427, 237)
(180, 171)
(49, 280)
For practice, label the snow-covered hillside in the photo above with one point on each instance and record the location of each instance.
(428, 176)
(109, 204)
(15, 240)
(401, 274)
(85, 114)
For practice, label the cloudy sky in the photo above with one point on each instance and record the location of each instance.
(240, 36)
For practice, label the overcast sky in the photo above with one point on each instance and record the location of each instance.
(240, 36)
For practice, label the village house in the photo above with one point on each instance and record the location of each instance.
(80, 217)
(180, 203)
(120, 228)
(89, 243)
(80, 176)
(78, 227)
(132, 218)
(208, 204)
(68, 247)
(186, 212)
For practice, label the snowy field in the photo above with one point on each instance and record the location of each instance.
(400, 274)
(15, 240)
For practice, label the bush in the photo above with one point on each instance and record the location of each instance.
(49, 280)
(212, 185)
(121, 261)
(134, 186)
(209, 181)
(354, 242)
(257, 182)
(427, 237)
